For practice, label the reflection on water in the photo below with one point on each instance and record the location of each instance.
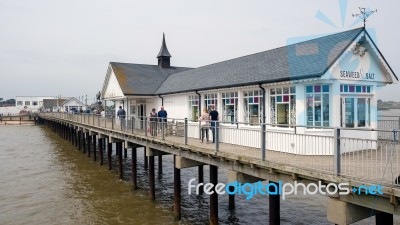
(45, 180)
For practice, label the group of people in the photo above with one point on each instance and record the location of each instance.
(158, 118)
(208, 121)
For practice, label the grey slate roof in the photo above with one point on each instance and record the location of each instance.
(306, 59)
(140, 79)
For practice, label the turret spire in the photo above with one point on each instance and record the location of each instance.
(164, 56)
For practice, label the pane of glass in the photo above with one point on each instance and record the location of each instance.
(285, 90)
(325, 109)
(361, 111)
(286, 98)
(279, 91)
(349, 112)
(358, 89)
(282, 112)
(310, 104)
(325, 88)
(223, 95)
(317, 97)
(368, 89)
(317, 88)
(253, 114)
(232, 100)
(292, 90)
(255, 99)
(309, 89)
(229, 113)
(279, 98)
(317, 112)
(346, 88)
(251, 93)
(341, 88)
(236, 94)
(351, 88)
(195, 111)
(250, 100)
(364, 89)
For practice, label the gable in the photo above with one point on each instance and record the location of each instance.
(111, 87)
(361, 61)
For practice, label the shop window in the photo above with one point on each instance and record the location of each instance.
(27, 103)
(229, 106)
(317, 105)
(193, 107)
(20, 102)
(253, 107)
(356, 111)
(210, 100)
(283, 105)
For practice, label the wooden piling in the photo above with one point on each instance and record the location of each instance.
(152, 190)
(274, 206)
(134, 168)
(177, 192)
(214, 196)
(101, 144)
(120, 165)
(109, 152)
(94, 148)
(201, 178)
(89, 140)
(160, 164)
(145, 159)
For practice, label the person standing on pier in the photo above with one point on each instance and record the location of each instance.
(153, 122)
(162, 115)
(121, 115)
(214, 117)
(205, 124)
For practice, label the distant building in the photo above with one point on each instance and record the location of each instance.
(30, 103)
(53, 105)
(63, 105)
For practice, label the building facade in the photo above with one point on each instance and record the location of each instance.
(302, 88)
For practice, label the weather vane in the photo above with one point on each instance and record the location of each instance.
(364, 15)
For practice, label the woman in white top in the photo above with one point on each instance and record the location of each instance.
(205, 124)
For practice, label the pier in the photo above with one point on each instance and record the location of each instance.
(305, 158)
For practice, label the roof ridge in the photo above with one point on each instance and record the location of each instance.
(361, 28)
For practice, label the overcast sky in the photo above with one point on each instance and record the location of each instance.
(63, 47)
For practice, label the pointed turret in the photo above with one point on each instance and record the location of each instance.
(164, 56)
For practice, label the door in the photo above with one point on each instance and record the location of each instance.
(141, 115)
(282, 114)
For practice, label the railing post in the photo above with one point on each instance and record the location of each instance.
(185, 128)
(133, 123)
(112, 122)
(162, 129)
(216, 136)
(263, 142)
(145, 126)
(336, 151)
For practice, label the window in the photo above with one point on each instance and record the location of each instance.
(19, 102)
(210, 100)
(35, 103)
(344, 88)
(229, 106)
(283, 105)
(253, 106)
(27, 103)
(193, 107)
(356, 112)
(317, 105)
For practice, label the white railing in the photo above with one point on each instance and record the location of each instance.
(339, 151)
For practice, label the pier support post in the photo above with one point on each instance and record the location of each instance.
(201, 178)
(109, 152)
(134, 168)
(89, 140)
(231, 205)
(145, 159)
(84, 142)
(125, 152)
(73, 136)
(120, 165)
(214, 196)
(101, 143)
(177, 191)
(152, 190)
(76, 137)
(384, 218)
(94, 148)
(79, 140)
(160, 164)
(274, 206)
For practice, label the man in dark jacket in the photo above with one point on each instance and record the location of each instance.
(162, 115)
(214, 117)
(121, 115)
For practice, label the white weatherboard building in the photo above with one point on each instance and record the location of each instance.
(326, 82)
(30, 103)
